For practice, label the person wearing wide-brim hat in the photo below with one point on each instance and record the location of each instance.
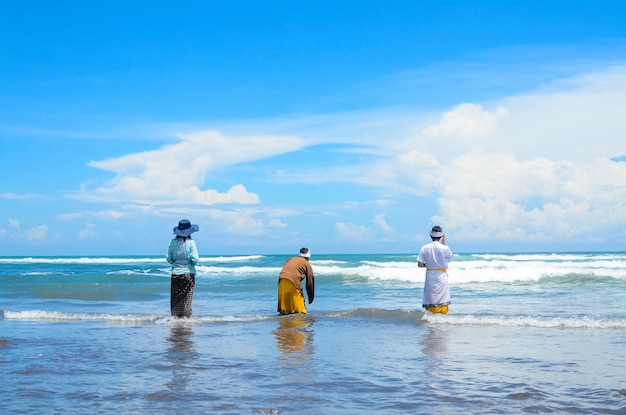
(290, 293)
(182, 254)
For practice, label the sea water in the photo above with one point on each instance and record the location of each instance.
(526, 333)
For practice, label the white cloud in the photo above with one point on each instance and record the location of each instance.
(239, 222)
(531, 199)
(101, 214)
(176, 173)
(88, 231)
(546, 173)
(525, 167)
(17, 196)
(583, 122)
(242, 223)
(532, 166)
(528, 167)
(236, 194)
(466, 121)
(276, 223)
(354, 232)
(538, 166)
(362, 233)
(37, 233)
(381, 223)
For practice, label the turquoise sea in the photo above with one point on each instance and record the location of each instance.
(527, 333)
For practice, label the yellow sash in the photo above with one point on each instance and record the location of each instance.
(437, 269)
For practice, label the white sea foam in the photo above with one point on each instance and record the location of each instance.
(118, 260)
(434, 319)
(460, 271)
(553, 256)
(372, 270)
(532, 270)
(231, 258)
(41, 315)
(327, 262)
(525, 321)
(474, 268)
(43, 273)
(243, 270)
(80, 260)
(494, 269)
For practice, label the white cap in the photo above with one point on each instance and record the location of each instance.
(436, 232)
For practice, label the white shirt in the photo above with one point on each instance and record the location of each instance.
(435, 255)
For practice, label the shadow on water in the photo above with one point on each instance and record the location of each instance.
(181, 353)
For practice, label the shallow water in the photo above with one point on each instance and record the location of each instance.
(94, 336)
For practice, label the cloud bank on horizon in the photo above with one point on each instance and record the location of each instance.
(539, 166)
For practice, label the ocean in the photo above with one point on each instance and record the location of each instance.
(527, 333)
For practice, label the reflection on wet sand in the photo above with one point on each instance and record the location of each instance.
(294, 339)
(181, 352)
(435, 349)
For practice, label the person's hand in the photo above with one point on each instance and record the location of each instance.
(443, 239)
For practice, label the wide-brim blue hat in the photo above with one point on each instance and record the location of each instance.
(185, 228)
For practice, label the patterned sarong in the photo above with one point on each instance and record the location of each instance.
(290, 300)
(181, 294)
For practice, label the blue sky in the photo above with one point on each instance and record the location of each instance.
(344, 126)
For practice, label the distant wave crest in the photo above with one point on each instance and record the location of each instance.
(118, 260)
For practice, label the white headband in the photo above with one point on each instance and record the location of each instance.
(436, 234)
(307, 255)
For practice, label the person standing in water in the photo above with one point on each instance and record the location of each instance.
(182, 254)
(434, 257)
(290, 293)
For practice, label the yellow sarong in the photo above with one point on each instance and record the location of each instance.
(290, 300)
(442, 309)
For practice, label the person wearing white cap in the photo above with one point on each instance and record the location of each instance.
(434, 257)
(290, 293)
(182, 254)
